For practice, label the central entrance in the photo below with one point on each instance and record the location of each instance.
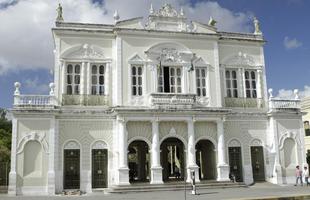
(205, 159)
(172, 159)
(138, 161)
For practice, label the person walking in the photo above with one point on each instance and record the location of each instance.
(298, 174)
(306, 175)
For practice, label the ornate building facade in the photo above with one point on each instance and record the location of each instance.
(134, 102)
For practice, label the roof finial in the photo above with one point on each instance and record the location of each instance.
(212, 22)
(182, 11)
(59, 13)
(116, 16)
(257, 26)
(151, 9)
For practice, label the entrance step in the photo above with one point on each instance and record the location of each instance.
(172, 186)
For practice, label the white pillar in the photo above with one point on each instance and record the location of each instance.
(123, 164)
(52, 156)
(191, 152)
(222, 167)
(88, 79)
(12, 176)
(156, 169)
(259, 88)
(240, 83)
(273, 139)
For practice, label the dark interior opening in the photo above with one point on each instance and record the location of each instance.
(166, 80)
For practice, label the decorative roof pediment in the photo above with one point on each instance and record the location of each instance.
(135, 59)
(201, 62)
(169, 52)
(241, 59)
(167, 11)
(84, 51)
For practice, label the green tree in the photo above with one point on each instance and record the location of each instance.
(5, 136)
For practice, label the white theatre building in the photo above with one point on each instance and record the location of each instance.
(149, 101)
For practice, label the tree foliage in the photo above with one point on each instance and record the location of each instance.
(5, 136)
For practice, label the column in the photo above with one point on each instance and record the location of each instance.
(88, 79)
(52, 156)
(63, 78)
(222, 167)
(12, 174)
(259, 88)
(273, 139)
(156, 169)
(191, 152)
(240, 83)
(123, 164)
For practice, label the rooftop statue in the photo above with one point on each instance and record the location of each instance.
(59, 13)
(257, 26)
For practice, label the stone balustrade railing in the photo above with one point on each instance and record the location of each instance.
(244, 102)
(169, 100)
(284, 104)
(34, 101)
(278, 103)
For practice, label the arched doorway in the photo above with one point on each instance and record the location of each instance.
(205, 159)
(138, 161)
(172, 159)
(99, 165)
(71, 161)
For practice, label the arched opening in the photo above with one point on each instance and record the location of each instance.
(72, 165)
(99, 165)
(289, 152)
(33, 159)
(172, 159)
(206, 160)
(138, 161)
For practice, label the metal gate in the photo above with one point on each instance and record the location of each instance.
(235, 163)
(258, 167)
(71, 169)
(99, 168)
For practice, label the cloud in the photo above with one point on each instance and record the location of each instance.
(289, 94)
(26, 40)
(291, 43)
(36, 86)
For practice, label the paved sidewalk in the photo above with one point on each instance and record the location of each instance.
(258, 191)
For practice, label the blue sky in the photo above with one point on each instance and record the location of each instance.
(26, 41)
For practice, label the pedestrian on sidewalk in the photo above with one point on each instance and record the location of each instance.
(298, 174)
(306, 175)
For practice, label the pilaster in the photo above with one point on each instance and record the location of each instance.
(123, 169)
(12, 175)
(52, 161)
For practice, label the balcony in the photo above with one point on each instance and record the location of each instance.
(172, 100)
(244, 102)
(85, 100)
(35, 101)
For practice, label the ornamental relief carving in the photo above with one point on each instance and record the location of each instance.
(85, 51)
(172, 129)
(33, 136)
(142, 129)
(205, 129)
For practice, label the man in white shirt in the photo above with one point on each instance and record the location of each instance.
(306, 175)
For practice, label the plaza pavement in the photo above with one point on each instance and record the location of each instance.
(257, 191)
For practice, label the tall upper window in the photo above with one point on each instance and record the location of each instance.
(201, 76)
(250, 83)
(231, 83)
(97, 79)
(136, 80)
(73, 78)
(169, 79)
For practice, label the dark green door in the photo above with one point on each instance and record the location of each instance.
(235, 163)
(258, 168)
(99, 168)
(71, 169)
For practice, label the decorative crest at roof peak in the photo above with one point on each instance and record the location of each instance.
(167, 11)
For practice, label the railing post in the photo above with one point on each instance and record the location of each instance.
(16, 93)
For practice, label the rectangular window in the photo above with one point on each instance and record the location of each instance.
(201, 78)
(231, 83)
(169, 79)
(250, 83)
(97, 79)
(73, 78)
(136, 80)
